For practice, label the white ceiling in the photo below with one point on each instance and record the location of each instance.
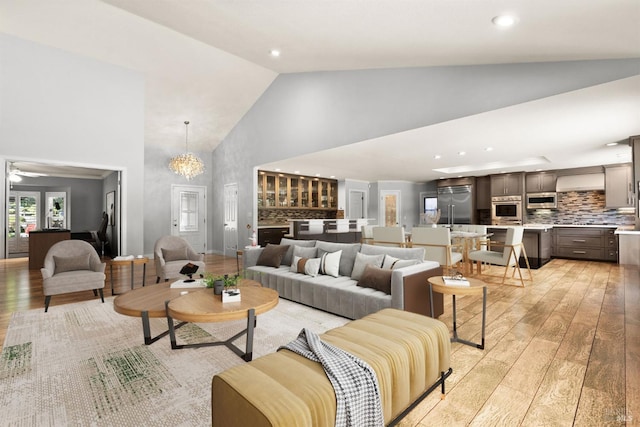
(207, 61)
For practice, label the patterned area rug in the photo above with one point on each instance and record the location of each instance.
(84, 364)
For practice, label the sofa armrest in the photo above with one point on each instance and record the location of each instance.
(46, 273)
(410, 289)
(250, 256)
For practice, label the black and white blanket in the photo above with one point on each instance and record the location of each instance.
(354, 381)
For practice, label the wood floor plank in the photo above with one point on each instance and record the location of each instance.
(505, 407)
(527, 372)
(557, 398)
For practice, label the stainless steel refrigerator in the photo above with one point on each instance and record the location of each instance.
(455, 204)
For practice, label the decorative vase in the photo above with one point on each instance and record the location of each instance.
(218, 286)
(434, 225)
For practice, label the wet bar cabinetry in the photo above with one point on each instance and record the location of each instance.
(280, 191)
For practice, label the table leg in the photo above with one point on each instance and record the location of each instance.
(111, 277)
(144, 273)
(146, 329)
(455, 328)
(132, 267)
(431, 299)
(484, 314)
(251, 323)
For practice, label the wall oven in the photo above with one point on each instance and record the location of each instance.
(506, 210)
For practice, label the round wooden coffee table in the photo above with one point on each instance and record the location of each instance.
(205, 307)
(196, 304)
(475, 287)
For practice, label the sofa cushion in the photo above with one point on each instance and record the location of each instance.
(308, 266)
(174, 254)
(376, 278)
(330, 263)
(362, 261)
(402, 253)
(304, 252)
(288, 257)
(348, 257)
(272, 255)
(391, 262)
(80, 262)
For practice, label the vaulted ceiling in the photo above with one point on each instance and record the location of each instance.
(208, 61)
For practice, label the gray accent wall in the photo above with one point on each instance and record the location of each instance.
(303, 113)
(63, 108)
(158, 179)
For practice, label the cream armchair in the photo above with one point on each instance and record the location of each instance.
(171, 253)
(437, 245)
(389, 236)
(71, 266)
(508, 257)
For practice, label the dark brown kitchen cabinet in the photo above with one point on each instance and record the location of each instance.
(271, 235)
(507, 184)
(598, 244)
(540, 182)
(618, 187)
(483, 192)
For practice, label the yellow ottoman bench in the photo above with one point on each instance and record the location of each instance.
(409, 352)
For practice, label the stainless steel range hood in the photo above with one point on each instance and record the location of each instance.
(591, 181)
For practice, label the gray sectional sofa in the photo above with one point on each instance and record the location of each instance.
(341, 295)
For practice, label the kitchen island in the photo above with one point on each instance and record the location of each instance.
(537, 241)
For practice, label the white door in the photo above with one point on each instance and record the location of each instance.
(189, 215)
(230, 219)
(23, 216)
(389, 208)
(356, 204)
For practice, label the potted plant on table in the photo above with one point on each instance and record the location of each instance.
(221, 282)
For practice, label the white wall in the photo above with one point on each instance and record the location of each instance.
(302, 113)
(58, 107)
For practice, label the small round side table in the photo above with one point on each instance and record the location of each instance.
(475, 287)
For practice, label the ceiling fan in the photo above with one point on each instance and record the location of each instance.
(15, 174)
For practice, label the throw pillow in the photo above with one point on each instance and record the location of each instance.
(271, 255)
(308, 266)
(179, 254)
(80, 262)
(304, 252)
(330, 263)
(288, 257)
(391, 263)
(376, 278)
(349, 251)
(362, 261)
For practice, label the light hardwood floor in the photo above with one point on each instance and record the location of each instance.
(565, 350)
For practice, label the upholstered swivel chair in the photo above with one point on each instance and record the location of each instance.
(437, 245)
(71, 266)
(171, 253)
(508, 257)
(389, 236)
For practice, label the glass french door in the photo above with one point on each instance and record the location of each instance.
(23, 216)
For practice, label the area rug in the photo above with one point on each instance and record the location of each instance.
(84, 364)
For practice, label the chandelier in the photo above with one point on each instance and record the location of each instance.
(187, 164)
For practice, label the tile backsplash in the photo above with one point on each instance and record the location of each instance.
(579, 207)
(282, 216)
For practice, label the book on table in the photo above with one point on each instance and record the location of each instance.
(455, 281)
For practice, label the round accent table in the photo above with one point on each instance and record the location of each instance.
(475, 287)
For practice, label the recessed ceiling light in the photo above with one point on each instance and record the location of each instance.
(488, 149)
(274, 52)
(611, 144)
(437, 156)
(504, 21)
(332, 176)
(317, 174)
(278, 169)
(461, 153)
(296, 171)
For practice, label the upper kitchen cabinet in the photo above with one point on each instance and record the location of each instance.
(277, 190)
(507, 184)
(540, 182)
(483, 192)
(618, 186)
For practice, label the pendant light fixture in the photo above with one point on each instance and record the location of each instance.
(187, 164)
